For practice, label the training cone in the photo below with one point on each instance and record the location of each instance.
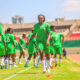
(49, 76)
(52, 67)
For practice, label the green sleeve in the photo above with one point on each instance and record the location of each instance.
(47, 28)
(20, 41)
(34, 40)
(3, 38)
(34, 29)
(61, 35)
(12, 38)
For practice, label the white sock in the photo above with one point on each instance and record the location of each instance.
(44, 67)
(9, 63)
(55, 60)
(27, 62)
(13, 63)
(5, 62)
(50, 61)
(2, 60)
(46, 63)
(34, 61)
(25, 59)
(19, 60)
(60, 61)
(38, 60)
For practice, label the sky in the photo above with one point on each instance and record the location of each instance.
(30, 9)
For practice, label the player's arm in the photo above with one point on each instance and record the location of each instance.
(48, 32)
(30, 39)
(4, 42)
(62, 39)
(52, 41)
(48, 39)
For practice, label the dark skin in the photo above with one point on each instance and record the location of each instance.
(3, 44)
(62, 41)
(41, 21)
(11, 55)
(24, 35)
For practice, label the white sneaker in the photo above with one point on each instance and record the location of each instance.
(20, 63)
(48, 70)
(15, 66)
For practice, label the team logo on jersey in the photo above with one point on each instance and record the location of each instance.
(44, 27)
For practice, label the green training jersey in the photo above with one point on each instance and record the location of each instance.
(2, 40)
(57, 39)
(21, 42)
(51, 33)
(15, 43)
(41, 31)
(9, 38)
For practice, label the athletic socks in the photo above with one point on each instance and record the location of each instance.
(2, 61)
(50, 61)
(38, 60)
(9, 64)
(25, 59)
(34, 62)
(60, 61)
(27, 63)
(44, 67)
(19, 60)
(48, 65)
(5, 64)
(56, 60)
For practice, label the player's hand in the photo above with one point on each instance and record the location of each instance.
(47, 44)
(6, 49)
(62, 42)
(27, 43)
(36, 53)
(53, 45)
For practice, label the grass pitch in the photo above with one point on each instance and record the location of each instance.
(68, 71)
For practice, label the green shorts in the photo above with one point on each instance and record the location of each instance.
(21, 50)
(14, 51)
(31, 48)
(52, 50)
(2, 50)
(58, 50)
(42, 45)
(10, 48)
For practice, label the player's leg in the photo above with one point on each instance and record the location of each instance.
(34, 57)
(48, 61)
(29, 58)
(5, 61)
(13, 59)
(60, 56)
(2, 62)
(47, 54)
(38, 61)
(55, 56)
(24, 56)
(2, 54)
(9, 60)
(20, 58)
(42, 61)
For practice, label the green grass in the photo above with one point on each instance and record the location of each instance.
(68, 71)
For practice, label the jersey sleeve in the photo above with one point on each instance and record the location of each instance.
(12, 38)
(61, 35)
(20, 41)
(34, 29)
(34, 40)
(47, 28)
(3, 38)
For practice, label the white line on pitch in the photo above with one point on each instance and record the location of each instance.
(17, 74)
